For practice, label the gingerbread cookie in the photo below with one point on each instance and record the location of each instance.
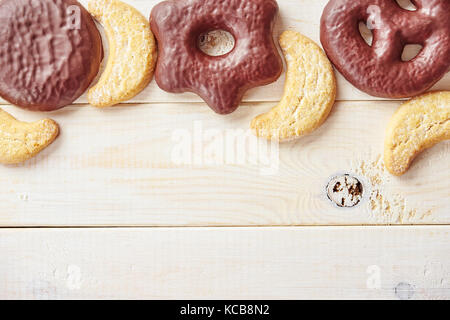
(309, 92)
(379, 69)
(417, 125)
(222, 80)
(132, 53)
(50, 51)
(20, 141)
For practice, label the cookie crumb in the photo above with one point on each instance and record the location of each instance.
(384, 203)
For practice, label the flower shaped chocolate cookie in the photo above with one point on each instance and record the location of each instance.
(222, 80)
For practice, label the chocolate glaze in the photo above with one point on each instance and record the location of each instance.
(378, 69)
(221, 81)
(48, 57)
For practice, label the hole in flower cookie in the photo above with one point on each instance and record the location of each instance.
(366, 33)
(345, 191)
(407, 5)
(410, 51)
(216, 42)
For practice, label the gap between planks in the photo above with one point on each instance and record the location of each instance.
(219, 227)
(245, 103)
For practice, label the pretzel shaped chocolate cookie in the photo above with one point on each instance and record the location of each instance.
(379, 69)
(221, 80)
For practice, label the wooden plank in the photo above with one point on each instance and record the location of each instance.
(255, 263)
(121, 167)
(301, 15)
(182, 165)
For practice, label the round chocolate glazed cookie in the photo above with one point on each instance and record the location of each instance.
(220, 80)
(50, 51)
(378, 69)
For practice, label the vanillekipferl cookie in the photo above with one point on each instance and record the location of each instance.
(378, 69)
(220, 80)
(417, 125)
(20, 141)
(50, 51)
(132, 53)
(309, 92)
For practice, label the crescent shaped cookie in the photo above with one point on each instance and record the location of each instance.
(417, 125)
(20, 141)
(132, 53)
(309, 93)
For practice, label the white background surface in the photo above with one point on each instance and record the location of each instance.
(109, 214)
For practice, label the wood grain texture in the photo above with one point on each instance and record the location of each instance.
(130, 166)
(123, 167)
(299, 15)
(263, 263)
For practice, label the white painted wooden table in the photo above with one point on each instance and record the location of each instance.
(112, 210)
